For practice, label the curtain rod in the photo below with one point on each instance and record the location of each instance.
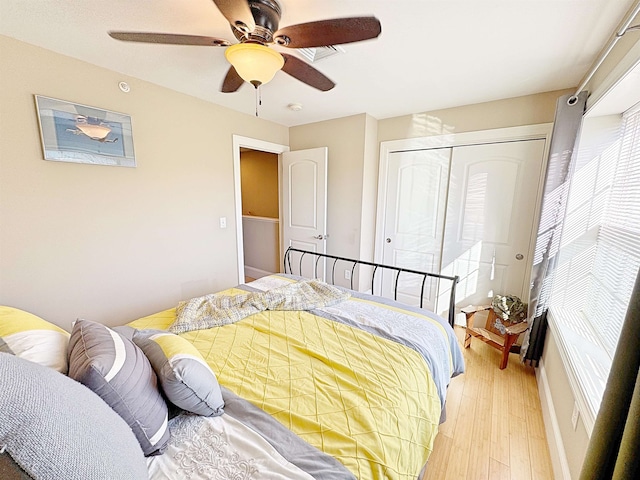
(624, 28)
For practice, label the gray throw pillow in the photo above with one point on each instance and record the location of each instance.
(186, 379)
(118, 371)
(55, 428)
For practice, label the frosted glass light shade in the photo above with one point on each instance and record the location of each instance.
(255, 63)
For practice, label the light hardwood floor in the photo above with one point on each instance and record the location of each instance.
(494, 428)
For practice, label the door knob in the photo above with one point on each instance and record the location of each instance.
(519, 256)
(321, 237)
(388, 240)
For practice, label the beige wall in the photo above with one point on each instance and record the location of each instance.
(369, 197)
(259, 180)
(574, 442)
(346, 140)
(509, 112)
(352, 181)
(261, 246)
(110, 243)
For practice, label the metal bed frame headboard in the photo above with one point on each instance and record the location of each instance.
(454, 280)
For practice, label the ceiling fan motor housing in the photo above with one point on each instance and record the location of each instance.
(266, 14)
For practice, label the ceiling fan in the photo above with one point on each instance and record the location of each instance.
(255, 24)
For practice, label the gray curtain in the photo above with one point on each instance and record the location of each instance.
(614, 448)
(566, 128)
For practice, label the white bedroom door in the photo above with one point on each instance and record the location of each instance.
(493, 192)
(304, 201)
(414, 221)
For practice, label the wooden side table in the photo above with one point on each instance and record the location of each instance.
(489, 334)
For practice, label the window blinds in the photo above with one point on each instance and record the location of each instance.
(617, 257)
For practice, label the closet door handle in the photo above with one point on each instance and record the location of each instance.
(493, 265)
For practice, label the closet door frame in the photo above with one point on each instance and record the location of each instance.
(500, 135)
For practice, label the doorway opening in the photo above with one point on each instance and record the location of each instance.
(259, 181)
(257, 212)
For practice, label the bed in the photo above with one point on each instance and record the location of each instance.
(347, 385)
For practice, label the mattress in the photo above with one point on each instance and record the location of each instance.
(363, 381)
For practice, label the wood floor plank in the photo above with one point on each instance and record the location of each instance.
(461, 447)
(498, 471)
(519, 459)
(530, 387)
(541, 468)
(500, 417)
(439, 459)
(538, 447)
(454, 397)
(473, 381)
(535, 424)
(478, 468)
(516, 392)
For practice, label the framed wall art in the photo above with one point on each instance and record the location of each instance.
(76, 133)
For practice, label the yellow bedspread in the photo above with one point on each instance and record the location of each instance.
(369, 402)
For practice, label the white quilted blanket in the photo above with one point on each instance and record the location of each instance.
(216, 310)
(219, 448)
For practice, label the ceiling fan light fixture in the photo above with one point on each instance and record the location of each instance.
(255, 63)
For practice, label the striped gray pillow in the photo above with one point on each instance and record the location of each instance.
(186, 379)
(119, 372)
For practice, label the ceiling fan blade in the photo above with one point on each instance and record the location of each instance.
(329, 32)
(238, 14)
(306, 73)
(169, 39)
(232, 82)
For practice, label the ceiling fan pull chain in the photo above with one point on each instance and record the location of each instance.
(256, 89)
(258, 97)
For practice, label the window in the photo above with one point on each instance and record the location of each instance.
(617, 257)
(599, 253)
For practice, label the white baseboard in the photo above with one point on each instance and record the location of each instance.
(552, 428)
(255, 272)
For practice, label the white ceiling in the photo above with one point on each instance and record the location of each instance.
(432, 54)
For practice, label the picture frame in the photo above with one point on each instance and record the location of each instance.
(76, 133)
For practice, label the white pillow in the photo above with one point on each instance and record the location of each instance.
(34, 339)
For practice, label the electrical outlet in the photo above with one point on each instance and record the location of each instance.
(347, 274)
(575, 415)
